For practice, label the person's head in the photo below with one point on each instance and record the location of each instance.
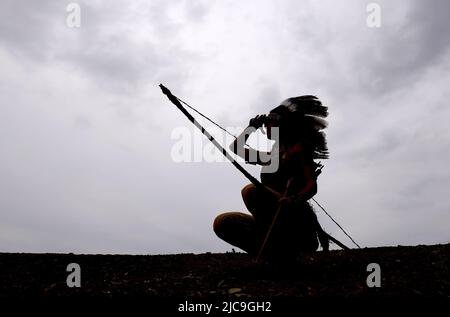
(301, 119)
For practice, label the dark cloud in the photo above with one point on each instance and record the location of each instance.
(27, 29)
(403, 50)
(119, 61)
(86, 134)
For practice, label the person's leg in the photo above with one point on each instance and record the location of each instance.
(249, 195)
(263, 208)
(297, 230)
(238, 229)
(259, 204)
(294, 230)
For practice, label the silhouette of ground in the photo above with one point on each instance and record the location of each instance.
(419, 271)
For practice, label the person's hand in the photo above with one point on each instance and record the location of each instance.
(285, 201)
(257, 122)
(289, 200)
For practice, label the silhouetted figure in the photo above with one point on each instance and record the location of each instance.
(301, 141)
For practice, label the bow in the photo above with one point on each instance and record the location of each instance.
(178, 104)
(252, 179)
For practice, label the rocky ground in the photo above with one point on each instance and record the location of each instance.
(405, 271)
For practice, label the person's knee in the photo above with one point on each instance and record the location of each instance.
(220, 224)
(248, 193)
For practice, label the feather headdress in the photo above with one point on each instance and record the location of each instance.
(308, 115)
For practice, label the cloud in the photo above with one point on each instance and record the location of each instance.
(86, 132)
(406, 48)
(25, 27)
(120, 47)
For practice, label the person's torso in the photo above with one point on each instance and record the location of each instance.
(290, 165)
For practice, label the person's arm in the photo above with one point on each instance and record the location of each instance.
(310, 188)
(250, 155)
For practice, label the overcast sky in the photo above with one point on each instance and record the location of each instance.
(86, 135)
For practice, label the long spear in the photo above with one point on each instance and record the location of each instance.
(250, 177)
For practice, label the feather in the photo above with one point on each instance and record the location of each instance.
(308, 105)
(307, 113)
(316, 122)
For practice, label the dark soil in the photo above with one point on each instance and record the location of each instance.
(410, 271)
